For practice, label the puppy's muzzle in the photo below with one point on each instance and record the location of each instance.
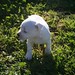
(18, 34)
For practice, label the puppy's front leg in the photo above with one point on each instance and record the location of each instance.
(29, 51)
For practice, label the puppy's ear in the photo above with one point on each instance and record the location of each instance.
(38, 26)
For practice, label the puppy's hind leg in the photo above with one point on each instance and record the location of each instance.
(48, 47)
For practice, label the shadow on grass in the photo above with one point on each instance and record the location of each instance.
(44, 65)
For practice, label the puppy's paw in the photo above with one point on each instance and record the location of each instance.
(47, 51)
(28, 56)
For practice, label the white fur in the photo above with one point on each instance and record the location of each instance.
(35, 30)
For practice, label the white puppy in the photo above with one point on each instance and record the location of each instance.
(35, 30)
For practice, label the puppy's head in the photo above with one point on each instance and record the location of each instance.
(28, 29)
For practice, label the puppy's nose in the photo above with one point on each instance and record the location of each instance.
(18, 34)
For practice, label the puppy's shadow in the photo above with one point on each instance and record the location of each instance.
(44, 65)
